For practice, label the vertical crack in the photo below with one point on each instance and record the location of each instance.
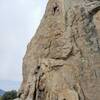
(34, 94)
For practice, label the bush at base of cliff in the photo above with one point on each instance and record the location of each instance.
(10, 95)
(0, 97)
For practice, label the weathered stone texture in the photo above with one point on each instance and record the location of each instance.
(62, 61)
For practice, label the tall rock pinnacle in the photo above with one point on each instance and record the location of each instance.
(62, 61)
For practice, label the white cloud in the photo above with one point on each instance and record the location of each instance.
(19, 20)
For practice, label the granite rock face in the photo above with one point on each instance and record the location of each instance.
(62, 61)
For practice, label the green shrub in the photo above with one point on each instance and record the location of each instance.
(0, 97)
(10, 95)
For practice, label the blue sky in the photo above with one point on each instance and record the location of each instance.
(19, 20)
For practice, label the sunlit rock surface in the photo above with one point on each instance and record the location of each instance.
(62, 61)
